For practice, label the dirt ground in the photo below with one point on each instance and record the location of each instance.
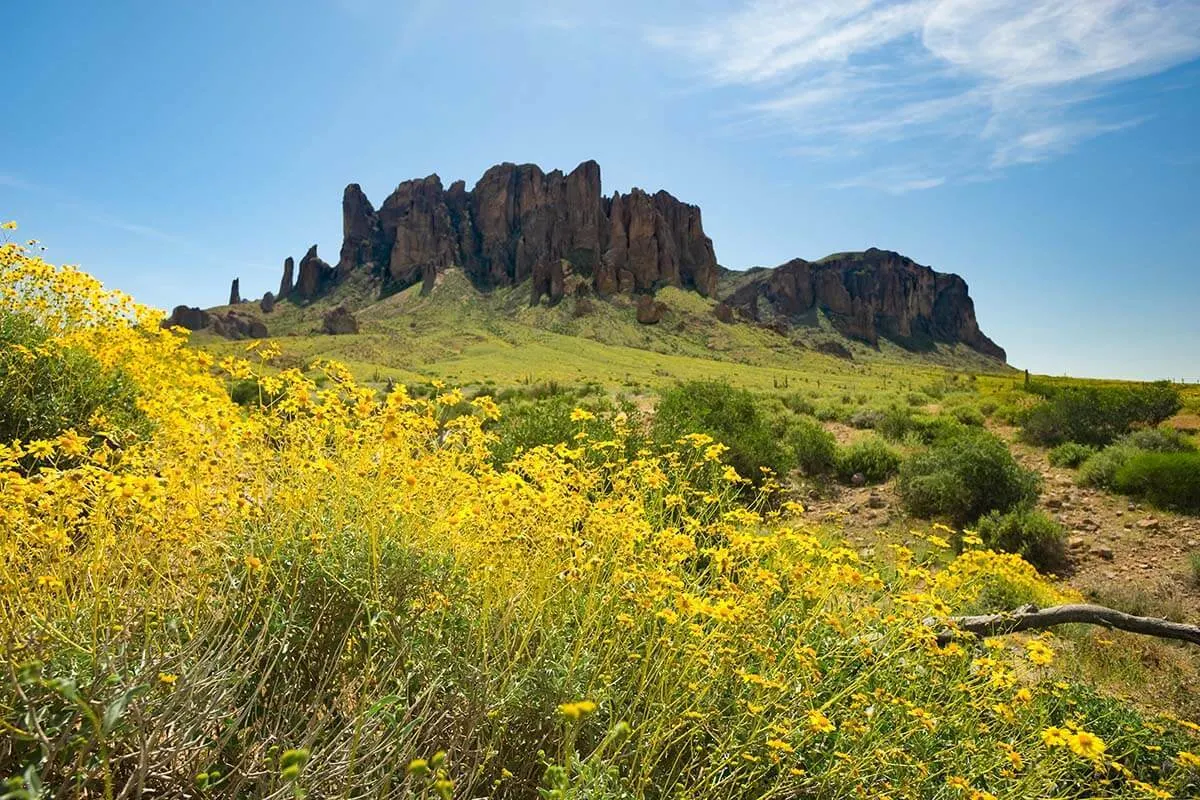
(1121, 553)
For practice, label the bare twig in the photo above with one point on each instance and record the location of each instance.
(1032, 618)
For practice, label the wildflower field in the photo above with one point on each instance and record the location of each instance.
(333, 592)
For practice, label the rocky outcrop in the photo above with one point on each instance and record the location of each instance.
(236, 325)
(339, 321)
(267, 304)
(315, 275)
(868, 295)
(235, 296)
(723, 312)
(650, 311)
(287, 282)
(191, 318)
(520, 223)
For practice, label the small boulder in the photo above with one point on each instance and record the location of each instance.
(191, 318)
(1103, 551)
(649, 311)
(267, 304)
(234, 325)
(858, 479)
(875, 500)
(339, 321)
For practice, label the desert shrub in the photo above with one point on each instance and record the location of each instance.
(525, 424)
(797, 403)
(729, 415)
(1070, 454)
(869, 457)
(1100, 469)
(828, 414)
(916, 399)
(968, 415)
(1159, 440)
(1097, 415)
(895, 423)
(1167, 480)
(964, 477)
(1027, 532)
(813, 448)
(47, 388)
(988, 407)
(866, 418)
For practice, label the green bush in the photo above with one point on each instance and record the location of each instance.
(968, 415)
(1166, 480)
(1031, 534)
(868, 457)
(813, 448)
(729, 415)
(799, 404)
(1070, 454)
(963, 477)
(1097, 415)
(1159, 440)
(1100, 470)
(866, 419)
(46, 390)
(525, 424)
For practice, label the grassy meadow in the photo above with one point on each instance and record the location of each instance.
(464, 554)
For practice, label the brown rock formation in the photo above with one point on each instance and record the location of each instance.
(649, 311)
(868, 295)
(267, 304)
(520, 223)
(286, 284)
(315, 275)
(235, 296)
(191, 318)
(236, 325)
(723, 312)
(339, 321)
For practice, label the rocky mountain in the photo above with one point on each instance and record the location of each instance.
(867, 295)
(520, 224)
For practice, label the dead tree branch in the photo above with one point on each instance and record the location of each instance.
(1032, 618)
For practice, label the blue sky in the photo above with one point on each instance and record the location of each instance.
(1047, 150)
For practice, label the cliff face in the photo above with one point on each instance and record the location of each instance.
(868, 295)
(521, 223)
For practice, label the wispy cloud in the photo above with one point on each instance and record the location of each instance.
(979, 84)
(893, 180)
(89, 212)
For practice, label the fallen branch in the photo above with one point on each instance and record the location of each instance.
(1032, 618)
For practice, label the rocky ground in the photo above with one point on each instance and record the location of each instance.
(1121, 553)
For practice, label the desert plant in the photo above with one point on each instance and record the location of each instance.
(1070, 454)
(1167, 480)
(729, 415)
(47, 388)
(1097, 415)
(813, 448)
(1027, 532)
(866, 418)
(961, 478)
(869, 457)
(1100, 469)
(1158, 440)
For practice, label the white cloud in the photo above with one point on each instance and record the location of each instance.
(983, 83)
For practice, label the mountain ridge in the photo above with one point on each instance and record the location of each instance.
(560, 233)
